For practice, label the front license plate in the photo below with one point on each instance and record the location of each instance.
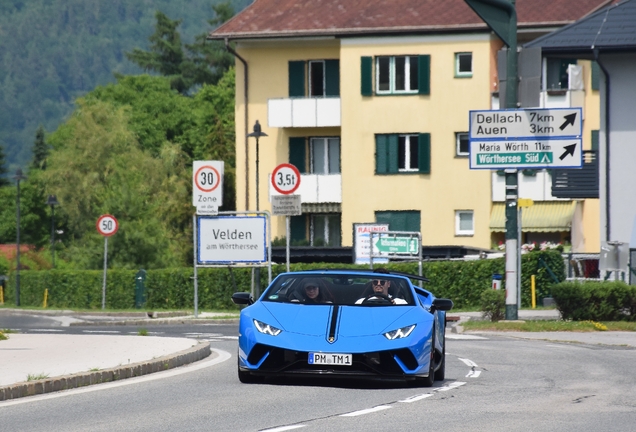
(330, 359)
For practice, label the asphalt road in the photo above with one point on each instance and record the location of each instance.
(494, 383)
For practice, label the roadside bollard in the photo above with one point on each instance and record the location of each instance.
(496, 281)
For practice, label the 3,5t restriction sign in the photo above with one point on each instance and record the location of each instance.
(107, 225)
(285, 179)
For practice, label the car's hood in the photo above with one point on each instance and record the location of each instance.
(352, 321)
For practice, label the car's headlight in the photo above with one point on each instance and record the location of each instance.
(399, 333)
(266, 328)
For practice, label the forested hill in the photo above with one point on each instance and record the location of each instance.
(53, 51)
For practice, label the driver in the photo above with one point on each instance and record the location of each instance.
(381, 287)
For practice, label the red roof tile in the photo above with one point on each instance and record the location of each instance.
(280, 18)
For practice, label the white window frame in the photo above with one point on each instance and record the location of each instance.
(324, 78)
(407, 155)
(458, 136)
(458, 230)
(407, 75)
(327, 229)
(323, 141)
(463, 74)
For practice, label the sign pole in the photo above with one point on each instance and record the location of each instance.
(287, 233)
(105, 266)
(196, 280)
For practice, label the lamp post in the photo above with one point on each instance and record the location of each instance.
(52, 201)
(257, 133)
(18, 176)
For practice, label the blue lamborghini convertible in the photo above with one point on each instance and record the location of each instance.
(343, 323)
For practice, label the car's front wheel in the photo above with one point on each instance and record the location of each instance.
(440, 374)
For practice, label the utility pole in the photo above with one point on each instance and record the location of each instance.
(501, 17)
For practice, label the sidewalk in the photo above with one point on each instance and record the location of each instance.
(69, 361)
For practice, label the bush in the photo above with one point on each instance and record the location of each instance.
(461, 281)
(595, 301)
(493, 304)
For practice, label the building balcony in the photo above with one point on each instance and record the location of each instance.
(318, 189)
(303, 112)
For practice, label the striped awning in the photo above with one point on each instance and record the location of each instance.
(550, 216)
(321, 208)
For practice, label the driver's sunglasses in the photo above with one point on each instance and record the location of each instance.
(378, 282)
(311, 288)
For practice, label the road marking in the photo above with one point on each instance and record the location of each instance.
(283, 428)
(416, 398)
(229, 337)
(101, 331)
(46, 330)
(464, 337)
(468, 362)
(221, 357)
(366, 411)
(451, 386)
(473, 374)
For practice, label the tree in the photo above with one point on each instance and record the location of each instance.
(185, 65)
(4, 180)
(40, 150)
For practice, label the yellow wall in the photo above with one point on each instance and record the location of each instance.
(450, 186)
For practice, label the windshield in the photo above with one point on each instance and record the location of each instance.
(341, 289)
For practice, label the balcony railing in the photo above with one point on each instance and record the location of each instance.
(303, 112)
(578, 183)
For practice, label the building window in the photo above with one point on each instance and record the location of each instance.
(316, 78)
(325, 230)
(408, 220)
(461, 144)
(464, 223)
(463, 65)
(402, 153)
(556, 73)
(321, 78)
(325, 155)
(396, 74)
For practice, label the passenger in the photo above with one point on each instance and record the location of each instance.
(380, 287)
(315, 292)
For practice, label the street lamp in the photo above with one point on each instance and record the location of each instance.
(257, 133)
(52, 201)
(18, 176)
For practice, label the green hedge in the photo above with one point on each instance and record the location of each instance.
(461, 281)
(596, 301)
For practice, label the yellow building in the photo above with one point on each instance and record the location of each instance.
(370, 101)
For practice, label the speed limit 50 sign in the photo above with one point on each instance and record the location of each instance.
(107, 225)
(207, 185)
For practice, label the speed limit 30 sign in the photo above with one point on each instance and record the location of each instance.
(207, 184)
(285, 179)
(107, 225)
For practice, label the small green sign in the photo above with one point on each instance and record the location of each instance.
(524, 158)
(398, 245)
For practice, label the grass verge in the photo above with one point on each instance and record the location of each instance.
(550, 326)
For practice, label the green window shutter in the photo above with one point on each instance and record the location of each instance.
(595, 139)
(381, 154)
(332, 77)
(298, 228)
(596, 76)
(424, 74)
(400, 220)
(297, 153)
(366, 73)
(296, 79)
(393, 148)
(424, 153)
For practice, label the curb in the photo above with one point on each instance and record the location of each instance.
(154, 321)
(82, 379)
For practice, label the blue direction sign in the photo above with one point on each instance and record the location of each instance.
(526, 138)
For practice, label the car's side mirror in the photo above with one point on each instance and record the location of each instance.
(441, 304)
(242, 298)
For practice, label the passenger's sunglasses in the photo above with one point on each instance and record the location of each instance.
(379, 282)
